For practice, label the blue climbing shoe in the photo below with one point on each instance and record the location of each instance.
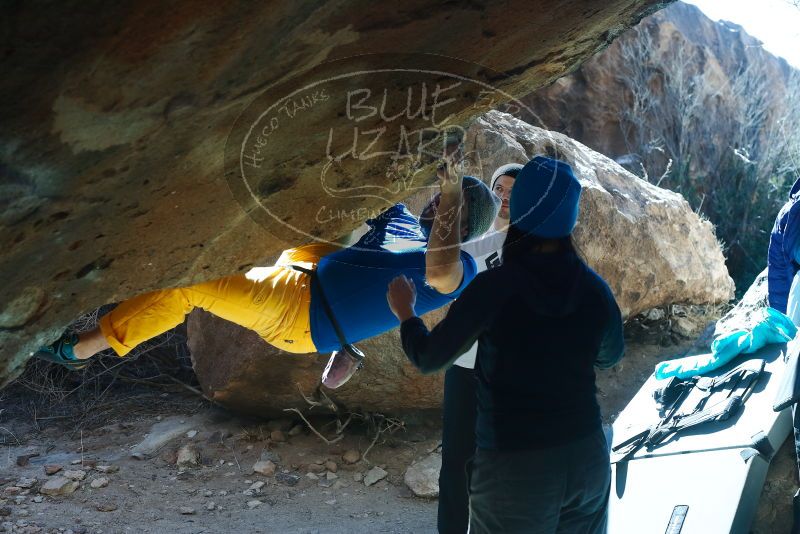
(62, 352)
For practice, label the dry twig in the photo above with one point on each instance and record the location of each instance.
(311, 427)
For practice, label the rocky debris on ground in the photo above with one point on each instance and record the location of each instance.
(655, 314)
(277, 436)
(296, 430)
(162, 433)
(74, 474)
(351, 456)
(26, 483)
(254, 503)
(186, 510)
(188, 457)
(265, 467)
(24, 459)
(422, 476)
(105, 506)
(100, 482)
(290, 479)
(52, 469)
(331, 466)
(374, 475)
(107, 468)
(316, 468)
(328, 480)
(685, 327)
(59, 485)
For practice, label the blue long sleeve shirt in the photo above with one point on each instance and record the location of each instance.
(783, 259)
(355, 279)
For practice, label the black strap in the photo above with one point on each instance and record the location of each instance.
(325, 305)
(743, 378)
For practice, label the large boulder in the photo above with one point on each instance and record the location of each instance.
(645, 241)
(116, 117)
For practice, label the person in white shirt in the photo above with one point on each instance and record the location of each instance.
(460, 403)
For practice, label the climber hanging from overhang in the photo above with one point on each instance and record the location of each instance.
(319, 297)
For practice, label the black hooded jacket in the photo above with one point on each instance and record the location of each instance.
(543, 322)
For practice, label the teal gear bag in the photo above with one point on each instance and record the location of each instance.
(773, 327)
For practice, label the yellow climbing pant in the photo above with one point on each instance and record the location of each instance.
(272, 301)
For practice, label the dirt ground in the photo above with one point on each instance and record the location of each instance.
(86, 429)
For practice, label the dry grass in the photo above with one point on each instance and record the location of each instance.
(89, 397)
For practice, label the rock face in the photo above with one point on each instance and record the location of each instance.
(113, 179)
(645, 241)
(587, 104)
(698, 107)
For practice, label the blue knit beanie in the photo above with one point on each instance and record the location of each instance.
(544, 200)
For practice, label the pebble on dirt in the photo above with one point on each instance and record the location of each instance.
(26, 483)
(374, 475)
(105, 507)
(351, 456)
(188, 456)
(76, 474)
(51, 469)
(107, 468)
(101, 482)
(289, 479)
(422, 477)
(186, 510)
(59, 485)
(264, 467)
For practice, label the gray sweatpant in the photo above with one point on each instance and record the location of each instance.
(563, 489)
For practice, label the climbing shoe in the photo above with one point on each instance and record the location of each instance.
(342, 365)
(62, 352)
